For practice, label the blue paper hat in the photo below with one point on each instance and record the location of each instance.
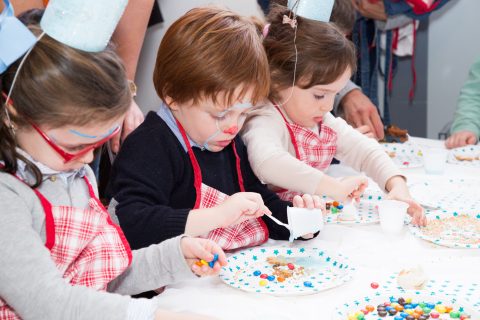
(82, 24)
(319, 10)
(15, 38)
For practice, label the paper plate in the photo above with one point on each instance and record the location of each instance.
(404, 155)
(463, 290)
(353, 306)
(459, 195)
(450, 229)
(465, 156)
(314, 270)
(367, 209)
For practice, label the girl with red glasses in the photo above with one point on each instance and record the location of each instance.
(60, 251)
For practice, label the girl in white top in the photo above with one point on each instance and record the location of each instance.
(293, 140)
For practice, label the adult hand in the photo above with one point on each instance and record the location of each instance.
(133, 118)
(373, 9)
(195, 249)
(460, 139)
(366, 131)
(360, 111)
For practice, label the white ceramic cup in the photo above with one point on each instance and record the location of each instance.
(435, 160)
(392, 215)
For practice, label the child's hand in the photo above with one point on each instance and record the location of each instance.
(170, 315)
(195, 249)
(309, 202)
(240, 207)
(399, 191)
(366, 131)
(350, 188)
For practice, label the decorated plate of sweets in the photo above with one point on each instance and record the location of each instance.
(284, 271)
(450, 229)
(455, 194)
(364, 212)
(465, 156)
(409, 305)
(404, 155)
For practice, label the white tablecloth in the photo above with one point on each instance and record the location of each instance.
(375, 255)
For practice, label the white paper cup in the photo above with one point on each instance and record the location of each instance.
(392, 215)
(435, 160)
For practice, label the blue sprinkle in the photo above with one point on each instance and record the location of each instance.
(308, 284)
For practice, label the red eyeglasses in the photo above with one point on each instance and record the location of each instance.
(67, 157)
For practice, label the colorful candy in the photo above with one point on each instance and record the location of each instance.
(406, 309)
(374, 285)
(334, 207)
(205, 263)
(212, 263)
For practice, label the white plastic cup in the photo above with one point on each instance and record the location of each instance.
(435, 160)
(392, 215)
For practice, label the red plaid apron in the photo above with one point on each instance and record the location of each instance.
(248, 233)
(316, 150)
(86, 246)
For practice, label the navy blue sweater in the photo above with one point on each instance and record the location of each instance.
(152, 179)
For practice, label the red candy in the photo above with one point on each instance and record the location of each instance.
(374, 285)
(264, 276)
(290, 266)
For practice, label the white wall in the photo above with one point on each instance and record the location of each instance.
(453, 45)
(171, 10)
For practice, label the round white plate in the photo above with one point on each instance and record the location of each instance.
(465, 156)
(450, 229)
(456, 194)
(404, 155)
(323, 269)
(355, 305)
(366, 208)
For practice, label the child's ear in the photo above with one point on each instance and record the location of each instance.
(10, 109)
(171, 104)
